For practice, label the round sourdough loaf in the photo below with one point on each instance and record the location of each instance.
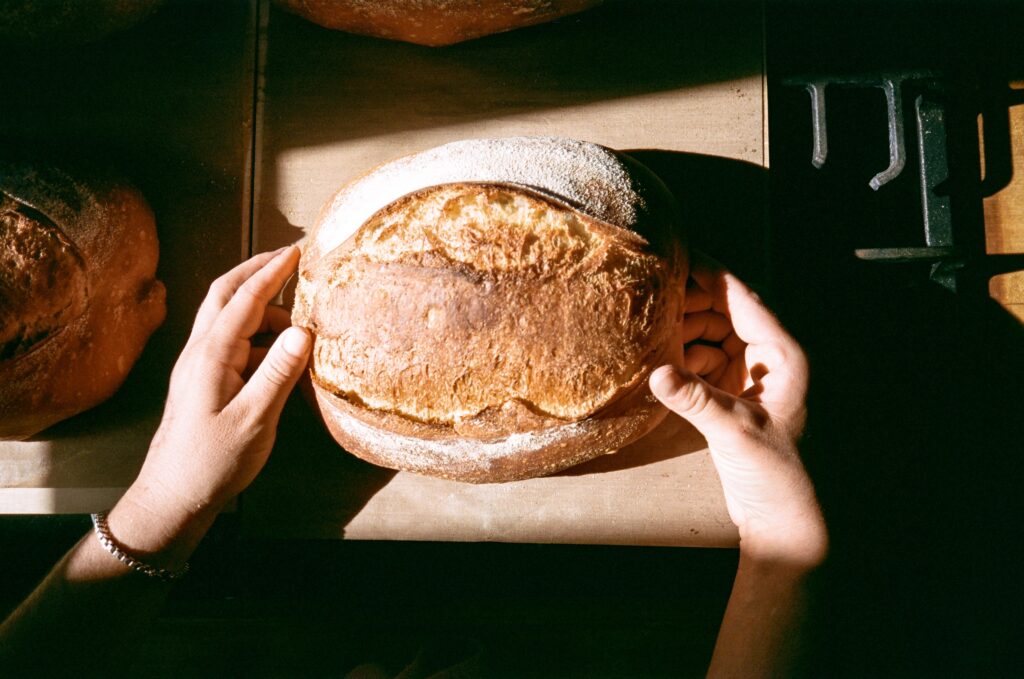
(490, 310)
(78, 297)
(432, 22)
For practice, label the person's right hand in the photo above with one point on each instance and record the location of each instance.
(226, 394)
(224, 402)
(743, 386)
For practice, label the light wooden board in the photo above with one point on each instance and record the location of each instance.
(684, 81)
(1004, 218)
(169, 102)
(661, 490)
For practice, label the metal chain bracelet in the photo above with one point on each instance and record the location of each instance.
(99, 522)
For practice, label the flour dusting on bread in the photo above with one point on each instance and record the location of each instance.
(589, 177)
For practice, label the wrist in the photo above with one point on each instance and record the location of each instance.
(152, 528)
(799, 543)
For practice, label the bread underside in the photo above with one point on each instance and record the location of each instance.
(432, 23)
(487, 332)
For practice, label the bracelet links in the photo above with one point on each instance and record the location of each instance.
(99, 522)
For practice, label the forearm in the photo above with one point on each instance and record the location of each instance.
(92, 610)
(218, 428)
(762, 630)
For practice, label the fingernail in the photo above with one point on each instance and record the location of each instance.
(666, 381)
(295, 341)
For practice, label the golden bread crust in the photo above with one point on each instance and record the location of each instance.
(489, 331)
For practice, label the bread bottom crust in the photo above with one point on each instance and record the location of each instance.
(392, 441)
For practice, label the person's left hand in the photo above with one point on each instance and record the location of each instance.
(226, 395)
(743, 384)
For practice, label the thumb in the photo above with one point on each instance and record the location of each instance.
(693, 399)
(268, 388)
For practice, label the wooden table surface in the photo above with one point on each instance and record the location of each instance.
(1004, 218)
(170, 101)
(682, 83)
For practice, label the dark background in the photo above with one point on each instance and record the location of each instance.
(915, 407)
(913, 439)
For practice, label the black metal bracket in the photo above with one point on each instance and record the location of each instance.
(950, 261)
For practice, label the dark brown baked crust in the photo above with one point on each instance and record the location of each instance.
(80, 297)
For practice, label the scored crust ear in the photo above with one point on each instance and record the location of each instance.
(604, 184)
